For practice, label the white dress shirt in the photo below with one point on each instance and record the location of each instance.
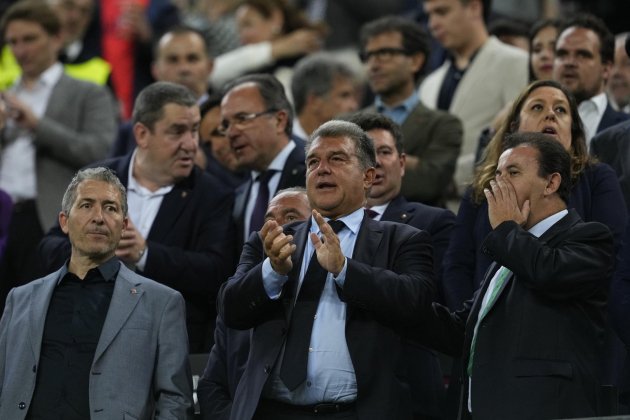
(18, 175)
(591, 112)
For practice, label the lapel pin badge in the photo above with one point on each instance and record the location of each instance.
(134, 291)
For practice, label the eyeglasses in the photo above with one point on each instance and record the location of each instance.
(382, 54)
(241, 120)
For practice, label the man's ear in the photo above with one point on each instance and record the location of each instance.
(63, 222)
(553, 183)
(141, 133)
(418, 60)
(282, 117)
(368, 177)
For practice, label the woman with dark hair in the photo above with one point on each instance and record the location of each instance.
(542, 45)
(544, 106)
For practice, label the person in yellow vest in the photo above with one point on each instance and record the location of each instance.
(79, 61)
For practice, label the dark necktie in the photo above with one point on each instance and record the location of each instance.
(371, 213)
(262, 200)
(293, 369)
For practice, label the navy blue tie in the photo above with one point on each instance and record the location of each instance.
(293, 369)
(262, 200)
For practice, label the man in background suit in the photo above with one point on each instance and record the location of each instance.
(93, 339)
(179, 231)
(394, 51)
(585, 53)
(338, 350)
(323, 87)
(228, 357)
(386, 203)
(612, 146)
(532, 337)
(479, 78)
(257, 119)
(56, 124)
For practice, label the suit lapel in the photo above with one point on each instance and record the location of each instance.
(396, 211)
(172, 205)
(40, 300)
(126, 296)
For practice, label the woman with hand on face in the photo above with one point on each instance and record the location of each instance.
(544, 106)
(274, 36)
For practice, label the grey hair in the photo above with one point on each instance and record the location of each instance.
(363, 144)
(94, 174)
(297, 190)
(316, 74)
(149, 106)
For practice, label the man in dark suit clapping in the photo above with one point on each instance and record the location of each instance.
(329, 310)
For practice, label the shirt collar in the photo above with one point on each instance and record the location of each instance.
(298, 130)
(600, 102)
(352, 221)
(407, 105)
(108, 270)
(381, 208)
(49, 77)
(277, 164)
(541, 227)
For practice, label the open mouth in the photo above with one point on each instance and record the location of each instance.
(549, 130)
(326, 186)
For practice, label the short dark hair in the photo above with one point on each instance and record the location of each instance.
(362, 142)
(316, 74)
(150, 103)
(552, 157)
(508, 27)
(487, 8)
(414, 37)
(95, 174)
(32, 11)
(595, 24)
(181, 30)
(271, 91)
(373, 121)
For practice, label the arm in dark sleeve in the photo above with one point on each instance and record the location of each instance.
(619, 299)
(399, 293)
(578, 266)
(458, 266)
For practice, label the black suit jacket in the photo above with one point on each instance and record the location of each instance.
(538, 349)
(388, 280)
(612, 146)
(188, 245)
(293, 175)
(611, 117)
(425, 378)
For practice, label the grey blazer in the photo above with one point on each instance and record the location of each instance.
(140, 369)
(78, 128)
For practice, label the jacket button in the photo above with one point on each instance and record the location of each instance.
(22, 405)
(267, 369)
(34, 368)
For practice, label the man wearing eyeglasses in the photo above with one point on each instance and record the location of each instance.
(394, 51)
(257, 119)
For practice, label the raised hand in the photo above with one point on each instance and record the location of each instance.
(503, 204)
(131, 246)
(328, 250)
(278, 247)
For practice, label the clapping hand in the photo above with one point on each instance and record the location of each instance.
(327, 247)
(278, 246)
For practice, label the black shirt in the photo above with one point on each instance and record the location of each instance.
(450, 83)
(74, 321)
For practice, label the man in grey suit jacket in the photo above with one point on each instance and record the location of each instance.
(394, 52)
(94, 340)
(55, 125)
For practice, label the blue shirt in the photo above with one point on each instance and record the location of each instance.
(400, 112)
(330, 375)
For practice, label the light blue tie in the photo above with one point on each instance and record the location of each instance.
(498, 285)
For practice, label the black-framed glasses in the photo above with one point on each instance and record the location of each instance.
(241, 120)
(382, 54)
